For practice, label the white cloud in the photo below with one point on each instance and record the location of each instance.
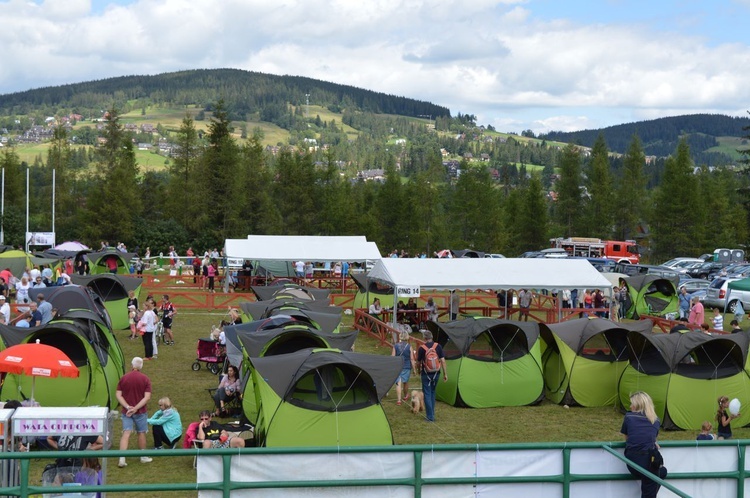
(491, 58)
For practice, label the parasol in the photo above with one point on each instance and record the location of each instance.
(36, 360)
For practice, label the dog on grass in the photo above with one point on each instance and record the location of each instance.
(417, 401)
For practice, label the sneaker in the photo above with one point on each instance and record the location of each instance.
(157, 447)
(122, 463)
(146, 459)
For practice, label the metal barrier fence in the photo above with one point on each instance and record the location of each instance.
(417, 475)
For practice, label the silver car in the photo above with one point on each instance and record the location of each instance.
(716, 295)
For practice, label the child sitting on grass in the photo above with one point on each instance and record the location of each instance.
(705, 434)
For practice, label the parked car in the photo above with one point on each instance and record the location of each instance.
(716, 295)
(602, 265)
(493, 255)
(639, 269)
(706, 269)
(693, 284)
(680, 262)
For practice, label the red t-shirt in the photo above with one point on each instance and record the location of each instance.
(133, 386)
(112, 263)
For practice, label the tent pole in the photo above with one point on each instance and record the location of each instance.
(395, 311)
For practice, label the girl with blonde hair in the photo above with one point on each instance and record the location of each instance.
(640, 427)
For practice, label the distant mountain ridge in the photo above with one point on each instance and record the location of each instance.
(660, 136)
(244, 92)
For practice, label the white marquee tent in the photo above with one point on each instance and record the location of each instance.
(490, 273)
(306, 248)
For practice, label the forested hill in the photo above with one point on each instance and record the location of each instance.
(660, 136)
(244, 92)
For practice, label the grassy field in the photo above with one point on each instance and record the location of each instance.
(729, 146)
(172, 376)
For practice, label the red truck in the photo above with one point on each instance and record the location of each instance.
(621, 251)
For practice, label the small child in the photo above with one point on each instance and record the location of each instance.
(132, 321)
(705, 434)
(718, 320)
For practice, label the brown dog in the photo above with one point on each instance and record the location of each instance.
(417, 401)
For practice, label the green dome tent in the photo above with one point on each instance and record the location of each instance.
(583, 359)
(323, 397)
(17, 261)
(685, 373)
(256, 341)
(490, 362)
(77, 302)
(84, 341)
(98, 261)
(322, 319)
(651, 295)
(113, 290)
(263, 309)
(292, 290)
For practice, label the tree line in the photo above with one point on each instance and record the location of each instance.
(219, 187)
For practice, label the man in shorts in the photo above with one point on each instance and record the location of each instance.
(214, 435)
(167, 312)
(133, 394)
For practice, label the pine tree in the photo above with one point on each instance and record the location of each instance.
(600, 210)
(474, 214)
(114, 202)
(532, 218)
(184, 181)
(569, 205)
(219, 173)
(67, 199)
(676, 227)
(631, 193)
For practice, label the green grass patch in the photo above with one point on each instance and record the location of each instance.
(729, 146)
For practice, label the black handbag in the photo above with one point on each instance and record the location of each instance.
(656, 463)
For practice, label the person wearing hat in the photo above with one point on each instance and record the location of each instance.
(45, 308)
(4, 310)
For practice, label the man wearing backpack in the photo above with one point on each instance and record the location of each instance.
(431, 359)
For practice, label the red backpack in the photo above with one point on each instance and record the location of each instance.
(431, 362)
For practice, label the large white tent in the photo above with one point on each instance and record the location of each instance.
(490, 273)
(305, 247)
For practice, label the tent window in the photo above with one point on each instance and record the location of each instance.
(450, 350)
(70, 344)
(608, 346)
(334, 388)
(713, 360)
(289, 343)
(648, 360)
(499, 345)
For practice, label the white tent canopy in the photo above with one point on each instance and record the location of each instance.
(304, 247)
(490, 273)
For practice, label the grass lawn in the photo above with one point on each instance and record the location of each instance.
(171, 375)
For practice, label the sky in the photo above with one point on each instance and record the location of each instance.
(514, 64)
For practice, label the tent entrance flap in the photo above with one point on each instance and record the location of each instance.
(335, 387)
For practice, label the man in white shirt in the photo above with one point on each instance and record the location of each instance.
(4, 310)
(299, 268)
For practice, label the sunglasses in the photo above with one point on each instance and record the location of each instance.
(205, 418)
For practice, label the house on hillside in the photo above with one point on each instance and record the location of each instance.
(377, 175)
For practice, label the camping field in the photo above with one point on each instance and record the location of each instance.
(172, 376)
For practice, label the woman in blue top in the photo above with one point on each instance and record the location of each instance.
(403, 349)
(641, 426)
(167, 425)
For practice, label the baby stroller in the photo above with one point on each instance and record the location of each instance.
(210, 352)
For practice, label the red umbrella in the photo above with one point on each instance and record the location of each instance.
(37, 360)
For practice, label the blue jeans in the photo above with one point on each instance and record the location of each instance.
(429, 388)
